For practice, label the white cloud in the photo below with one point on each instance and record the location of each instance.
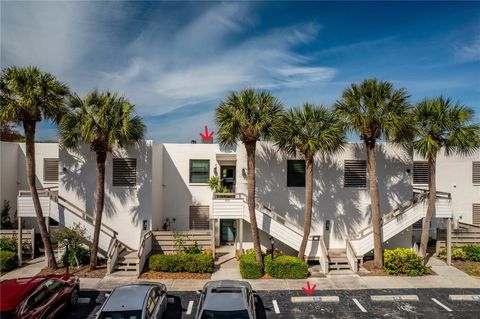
(470, 52)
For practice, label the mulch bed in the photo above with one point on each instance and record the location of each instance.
(82, 272)
(470, 267)
(368, 265)
(150, 274)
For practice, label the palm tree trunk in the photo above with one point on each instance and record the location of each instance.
(30, 127)
(375, 206)
(308, 206)
(250, 148)
(432, 196)
(100, 198)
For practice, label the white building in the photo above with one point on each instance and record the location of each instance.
(154, 187)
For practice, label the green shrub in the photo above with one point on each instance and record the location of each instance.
(403, 261)
(288, 267)
(457, 253)
(8, 244)
(192, 250)
(250, 268)
(472, 252)
(8, 260)
(82, 254)
(197, 263)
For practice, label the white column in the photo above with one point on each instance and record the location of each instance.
(19, 242)
(449, 241)
(241, 235)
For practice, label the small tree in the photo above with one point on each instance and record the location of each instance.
(75, 236)
(6, 222)
(215, 184)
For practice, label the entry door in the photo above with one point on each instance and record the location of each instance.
(228, 177)
(227, 231)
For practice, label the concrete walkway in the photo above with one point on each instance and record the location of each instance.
(28, 269)
(226, 266)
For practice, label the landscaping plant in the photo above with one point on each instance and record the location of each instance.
(27, 97)
(8, 260)
(76, 238)
(250, 268)
(195, 263)
(403, 261)
(288, 267)
(8, 244)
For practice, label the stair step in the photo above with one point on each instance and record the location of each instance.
(125, 268)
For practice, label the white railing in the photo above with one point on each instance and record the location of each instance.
(112, 256)
(144, 250)
(351, 256)
(323, 257)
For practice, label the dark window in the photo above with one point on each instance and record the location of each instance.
(476, 214)
(199, 171)
(124, 172)
(296, 173)
(50, 169)
(199, 217)
(420, 172)
(355, 174)
(476, 173)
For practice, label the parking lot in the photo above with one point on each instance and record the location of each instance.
(391, 303)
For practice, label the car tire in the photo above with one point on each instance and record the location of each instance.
(74, 297)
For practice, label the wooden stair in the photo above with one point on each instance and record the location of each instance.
(338, 260)
(127, 260)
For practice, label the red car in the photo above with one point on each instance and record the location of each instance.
(37, 297)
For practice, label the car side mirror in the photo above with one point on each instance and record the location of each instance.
(198, 292)
(107, 295)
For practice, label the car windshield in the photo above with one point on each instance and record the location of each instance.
(132, 314)
(236, 314)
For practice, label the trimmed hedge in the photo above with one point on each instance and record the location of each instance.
(288, 267)
(469, 252)
(403, 261)
(8, 244)
(250, 268)
(8, 260)
(196, 263)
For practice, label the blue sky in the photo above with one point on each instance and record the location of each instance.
(176, 60)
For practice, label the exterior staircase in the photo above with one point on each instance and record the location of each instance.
(119, 255)
(337, 260)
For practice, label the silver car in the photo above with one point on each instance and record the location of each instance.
(226, 299)
(138, 301)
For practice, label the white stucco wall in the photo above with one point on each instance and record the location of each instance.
(348, 209)
(178, 193)
(9, 174)
(157, 185)
(125, 207)
(454, 175)
(42, 150)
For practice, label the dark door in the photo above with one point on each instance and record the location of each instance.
(228, 177)
(227, 231)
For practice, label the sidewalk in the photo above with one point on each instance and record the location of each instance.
(447, 277)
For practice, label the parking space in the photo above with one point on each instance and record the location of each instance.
(391, 303)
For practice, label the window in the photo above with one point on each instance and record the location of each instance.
(199, 171)
(296, 173)
(476, 214)
(124, 172)
(199, 217)
(355, 174)
(476, 173)
(50, 169)
(420, 172)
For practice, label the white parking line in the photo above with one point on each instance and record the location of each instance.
(441, 304)
(84, 300)
(359, 305)
(190, 307)
(464, 297)
(275, 306)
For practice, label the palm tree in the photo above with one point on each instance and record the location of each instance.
(375, 110)
(308, 131)
(103, 120)
(439, 123)
(248, 116)
(27, 96)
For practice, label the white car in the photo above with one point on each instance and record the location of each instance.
(138, 301)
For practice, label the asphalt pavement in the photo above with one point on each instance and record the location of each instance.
(378, 303)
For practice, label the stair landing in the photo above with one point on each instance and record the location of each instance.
(338, 260)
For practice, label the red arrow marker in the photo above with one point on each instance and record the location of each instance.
(207, 135)
(309, 290)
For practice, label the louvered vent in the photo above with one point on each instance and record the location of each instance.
(124, 172)
(199, 217)
(476, 173)
(476, 214)
(355, 173)
(420, 172)
(50, 169)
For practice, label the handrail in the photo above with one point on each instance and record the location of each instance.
(351, 255)
(146, 235)
(324, 255)
(112, 248)
(263, 209)
(80, 213)
(419, 196)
